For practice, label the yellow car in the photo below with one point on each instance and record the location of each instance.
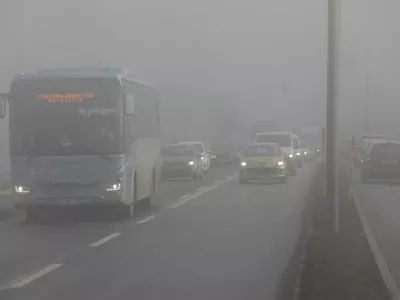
(263, 161)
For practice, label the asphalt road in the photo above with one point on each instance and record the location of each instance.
(381, 207)
(212, 239)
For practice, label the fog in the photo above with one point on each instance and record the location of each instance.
(265, 59)
(369, 88)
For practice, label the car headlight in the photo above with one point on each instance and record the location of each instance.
(291, 155)
(202, 158)
(113, 187)
(243, 163)
(317, 150)
(191, 163)
(298, 153)
(305, 153)
(280, 163)
(21, 189)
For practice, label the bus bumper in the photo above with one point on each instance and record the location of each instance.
(23, 201)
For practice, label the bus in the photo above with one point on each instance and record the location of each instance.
(86, 136)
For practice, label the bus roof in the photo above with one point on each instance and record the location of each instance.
(81, 72)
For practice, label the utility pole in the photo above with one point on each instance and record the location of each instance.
(334, 21)
(366, 128)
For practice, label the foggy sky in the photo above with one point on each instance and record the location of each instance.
(195, 52)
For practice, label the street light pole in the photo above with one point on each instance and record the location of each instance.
(334, 18)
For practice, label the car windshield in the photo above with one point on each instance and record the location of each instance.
(177, 150)
(261, 150)
(385, 150)
(282, 140)
(65, 117)
(198, 148)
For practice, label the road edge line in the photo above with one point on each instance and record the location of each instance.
(376, 252)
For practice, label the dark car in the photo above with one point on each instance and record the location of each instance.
(381, 162)
(180, 161)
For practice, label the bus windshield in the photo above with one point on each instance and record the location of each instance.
(282, 140)
(65, 117)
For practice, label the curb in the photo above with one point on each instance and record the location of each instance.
(378, 257)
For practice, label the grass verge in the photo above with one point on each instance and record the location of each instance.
(339, 266)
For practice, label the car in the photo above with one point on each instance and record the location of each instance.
(381, 162)
(263, 161)
(362, 151)
(202, 153)
(285, 141)
(364, 137)
(180, 161)
(297, 151)
(305, 151)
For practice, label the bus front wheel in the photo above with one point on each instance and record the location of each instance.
(128, 210)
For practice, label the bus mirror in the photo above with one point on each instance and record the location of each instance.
(3, 102)
(129, 105)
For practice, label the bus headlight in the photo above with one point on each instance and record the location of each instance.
(113, 187)
(21, 189)
(243, 163)
(280, 163)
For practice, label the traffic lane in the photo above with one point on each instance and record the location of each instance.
(172, 189)
(25, 247)
(233, 242)
(381, 206)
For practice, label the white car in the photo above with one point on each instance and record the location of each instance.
(201, 151)
(305, 152)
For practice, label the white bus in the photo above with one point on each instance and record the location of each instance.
(83, 136)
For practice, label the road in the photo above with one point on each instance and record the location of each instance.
(212, 239)
(380, 203)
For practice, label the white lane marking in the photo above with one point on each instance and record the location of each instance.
(184, 197)
(6, 192)
(380, 261)
(24, 280)
(145, 220)
(202, 188)
(200, 192)
(105, 239)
